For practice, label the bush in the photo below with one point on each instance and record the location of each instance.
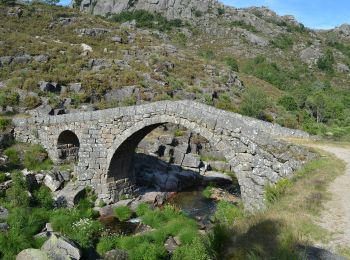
(221, 11)
(206, 54)
(123, 213)
(147, 20)
(232, 63)
(196, 250)
(2, 177)
(106, 244)
(207, 192)
(274, 192)
(43, 198)
(85, 232)
(17, 195)
(142, 209)
(4, 123)
(13, 157)
(282, 42)
(226, 213)
(254, 102)
(326, 62)
(8, 98)
(35, 158)
(31, 102)
(288, 102)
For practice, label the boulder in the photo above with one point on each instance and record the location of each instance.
(86, 48)
(170, 245)
(191, 160)
(15, 12)
(6, 139)
(58, 247)
(24, 59)
(310, 55)
(41, 58)
(108, 210)
(4, 227)
(255, 39)
(120, 94)
(4, 213)
(5, 60)
(50, 87)
(99, 64)
(342, 68)
(94, 32)
(32, 254)
(74, 87)
(53, 181)
(69, 195)
(116, 254)
(117, 39)
(219, 166)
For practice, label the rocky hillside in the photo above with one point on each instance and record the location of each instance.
(56, 60)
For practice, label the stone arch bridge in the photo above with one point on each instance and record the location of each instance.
(105, 141)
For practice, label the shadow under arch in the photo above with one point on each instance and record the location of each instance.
(68, 146)
(122, 151)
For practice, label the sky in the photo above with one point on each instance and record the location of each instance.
(317, 14)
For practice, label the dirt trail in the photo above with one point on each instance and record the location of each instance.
(336, 215)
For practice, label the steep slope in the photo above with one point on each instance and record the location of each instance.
(56, 60)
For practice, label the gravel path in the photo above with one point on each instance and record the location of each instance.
(336, 215)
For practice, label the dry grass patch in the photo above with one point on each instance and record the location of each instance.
(291, 220)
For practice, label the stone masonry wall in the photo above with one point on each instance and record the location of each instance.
(250, 146)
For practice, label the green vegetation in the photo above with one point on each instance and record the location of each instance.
(288, 102)
(244, 25)
(206, 54)
(325, 63)
(282, 42)
(274, 192)
(4, 123)
(254, 102)
(35, 158)
(227, 213)
(232, 63)
(123, 213)
(207, 192)
(147, 20)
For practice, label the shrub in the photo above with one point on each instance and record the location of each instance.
(195, 250)
(198, 13)
(30, 84)
(147, 19)
(207, 192)
(288, 102)
(2, 177)
(123, 213)
(226, 213)
(254, 102)
(274, 192)
(85, 232)
(8, 98)
(221, 11)
(142, 209)
(232, 63)
(31, 102)
(35, 158)
(282, 42)
(4, 123)
(225, 102)
(206, 54)
(106, 244)
(244, 25)
(326, 62)
(17, 194)
(43, 198)
(13, 157)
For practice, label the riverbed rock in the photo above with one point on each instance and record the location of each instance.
(32, 254)
(116, 254)
(108, 210)
(59, 247)
(69, 195)
(170, 245)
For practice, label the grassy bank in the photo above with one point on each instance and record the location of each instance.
(291, 220)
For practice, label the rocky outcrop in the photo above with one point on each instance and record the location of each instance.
(174, 9)
(32, 254)
(58, 247)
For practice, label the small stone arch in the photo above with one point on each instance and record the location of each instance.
(68, 147)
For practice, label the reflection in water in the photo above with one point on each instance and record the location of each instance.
(194, 205)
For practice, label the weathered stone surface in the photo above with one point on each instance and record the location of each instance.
(191, 160)
(92, 31)
(69, 195)
(53, 181)
(216, 177)
(32, 254)
(58, 247)
(4, 213)
(116, 254)
(170, 245)
(4, 227)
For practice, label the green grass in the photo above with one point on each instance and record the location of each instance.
(123, 213)
(207, 192)
(289, 219)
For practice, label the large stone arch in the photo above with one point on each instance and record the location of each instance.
(122, 150)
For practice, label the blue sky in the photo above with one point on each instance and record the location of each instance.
(320, 14)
